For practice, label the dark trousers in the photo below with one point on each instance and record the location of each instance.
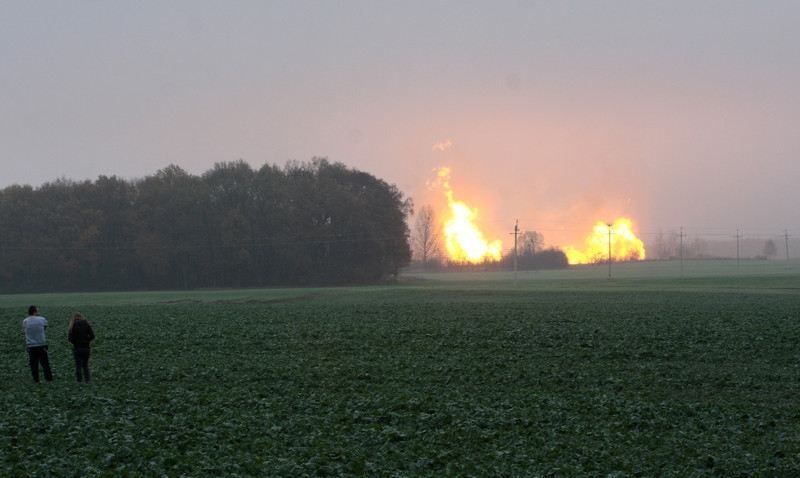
(38, 355)
(81, 363)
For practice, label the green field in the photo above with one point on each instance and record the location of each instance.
(562, 373)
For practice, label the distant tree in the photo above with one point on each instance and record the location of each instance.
(666, 245)
(529, 243)
(550, 258)
(229, 220)
(372, 215)
(171, 207)
(426, 237)
(697, 248)
(114, 200)
(770, 249)
(307, 223)
(532, 256)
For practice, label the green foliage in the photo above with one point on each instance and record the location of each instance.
(308, 223)
(414, 381)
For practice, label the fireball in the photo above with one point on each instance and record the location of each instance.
(625, 246)
(463, 239)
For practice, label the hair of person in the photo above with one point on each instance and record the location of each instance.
(75, 317)
(32, 310)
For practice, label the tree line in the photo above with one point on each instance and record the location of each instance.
(308, 223)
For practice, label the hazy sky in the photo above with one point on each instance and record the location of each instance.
(557, 113)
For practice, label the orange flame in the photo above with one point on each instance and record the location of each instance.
(464, 241)
(625, 246)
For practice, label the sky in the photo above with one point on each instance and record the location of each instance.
(559, 113)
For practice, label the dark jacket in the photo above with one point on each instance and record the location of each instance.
(81, 334)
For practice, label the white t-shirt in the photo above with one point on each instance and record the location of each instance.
(34, 331)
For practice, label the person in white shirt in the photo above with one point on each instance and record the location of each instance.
(34, 327)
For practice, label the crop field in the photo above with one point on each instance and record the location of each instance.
(700, 377)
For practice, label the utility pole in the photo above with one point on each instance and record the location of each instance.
(786, 241)
(737, 249)
(681, 250)
(516, 233)
(609, 250)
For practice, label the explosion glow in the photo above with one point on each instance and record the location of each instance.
(625, 246)
(463, 240)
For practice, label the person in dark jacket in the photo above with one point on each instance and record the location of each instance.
(81, 335)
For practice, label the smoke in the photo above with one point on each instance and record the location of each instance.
(443, 145)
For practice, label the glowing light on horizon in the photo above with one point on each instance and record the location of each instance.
(464, 240)
(625, 246)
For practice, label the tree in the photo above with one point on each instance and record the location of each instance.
(665, 246)
(229, 189)
(769, 248)
(530, 243)
(551, 258)
(426, 235)
(306, 223)
(696, 248)
(171, 206)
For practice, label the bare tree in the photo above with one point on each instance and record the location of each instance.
(697, 249)
(426, 235)
(666, 245)
(530, 243)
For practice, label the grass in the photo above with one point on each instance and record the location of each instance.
(456, 376)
